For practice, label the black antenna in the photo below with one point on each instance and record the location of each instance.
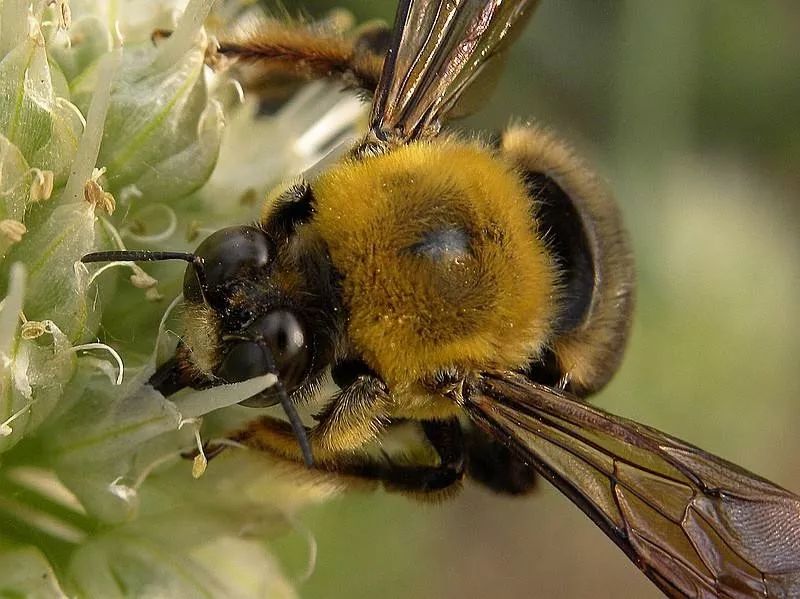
(148, 256)
(137, 256)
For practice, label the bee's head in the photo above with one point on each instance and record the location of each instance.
(260, 329)
(248, 324)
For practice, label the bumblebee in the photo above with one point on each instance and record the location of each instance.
(477, 292)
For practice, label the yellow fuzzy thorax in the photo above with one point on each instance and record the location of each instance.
(411, 315)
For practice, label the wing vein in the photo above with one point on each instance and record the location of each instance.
(594, 445)
(438, 49)
(721, 512)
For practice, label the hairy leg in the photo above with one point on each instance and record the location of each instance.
(335, 430)
(294, 49)
(354, 418)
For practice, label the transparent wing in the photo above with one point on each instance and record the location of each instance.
(438, 48)
(698, 526)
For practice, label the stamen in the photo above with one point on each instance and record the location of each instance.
(110, 350)
(140, 279)
(200, 462)
(11, 232)
(147, 470)
(95, 195)
(311, 564)
(5, 427)
(166, 233)
(42, 185)
(104, 268)
(162, 328)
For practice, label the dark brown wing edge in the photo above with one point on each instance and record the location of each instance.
(697, 526)
(438, 48)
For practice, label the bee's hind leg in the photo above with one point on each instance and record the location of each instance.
(280, 50)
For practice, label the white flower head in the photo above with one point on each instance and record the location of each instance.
(107, 139)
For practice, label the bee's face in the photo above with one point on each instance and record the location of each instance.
(257, 327)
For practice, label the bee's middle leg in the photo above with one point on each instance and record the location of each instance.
(354, 417)
(421, 480)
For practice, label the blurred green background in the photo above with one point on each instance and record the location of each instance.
(691, 111)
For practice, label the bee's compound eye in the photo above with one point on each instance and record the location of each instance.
(283, 334)
(227, 253)
(275, 342)
(244, 360)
